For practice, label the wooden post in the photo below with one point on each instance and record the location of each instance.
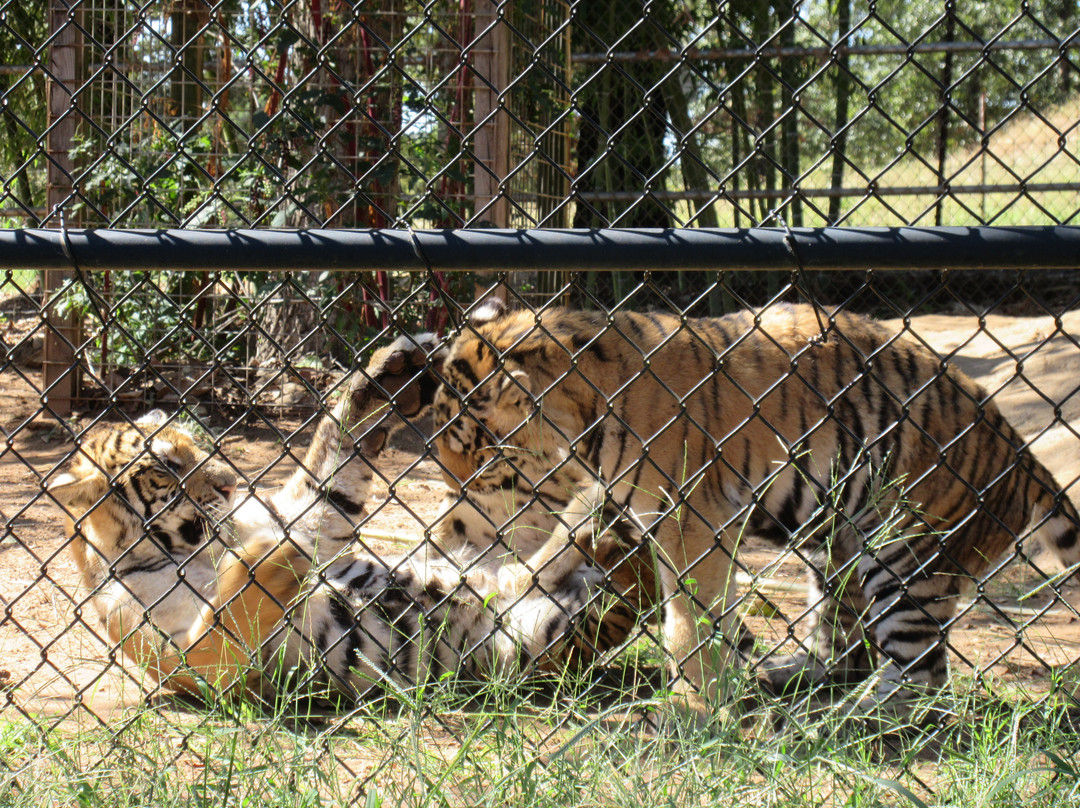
(59, 375)
(491, 124)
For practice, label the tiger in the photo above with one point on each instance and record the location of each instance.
(892, 472)
(208, 594)
(501, 521)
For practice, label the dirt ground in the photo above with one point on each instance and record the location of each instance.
(52, 659)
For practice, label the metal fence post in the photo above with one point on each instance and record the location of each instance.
(491, 125)
(59, 369)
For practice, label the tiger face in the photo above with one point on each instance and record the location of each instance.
(149, 474)
(480, 404)
(494, 414)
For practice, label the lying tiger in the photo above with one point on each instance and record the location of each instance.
(893, 473)
(200, 591)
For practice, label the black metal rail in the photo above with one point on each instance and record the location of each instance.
(580, 250)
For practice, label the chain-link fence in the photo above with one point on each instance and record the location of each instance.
(255, 398)
(537, 113)
(606, 509)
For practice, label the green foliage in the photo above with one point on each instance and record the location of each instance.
(342, 116)
(23, 26)
(135, 320)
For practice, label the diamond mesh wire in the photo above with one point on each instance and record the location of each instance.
(541, 113)
(215, 353)
(538, 113)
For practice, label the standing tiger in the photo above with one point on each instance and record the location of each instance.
(756, 423)
(201, 591)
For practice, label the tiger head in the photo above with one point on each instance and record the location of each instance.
(485, 409)
(149, 476)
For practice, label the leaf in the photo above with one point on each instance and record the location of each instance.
(292, 161)
(762, 608)
(893, 786)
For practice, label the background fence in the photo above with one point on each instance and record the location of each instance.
(324, 114)
(537, 114)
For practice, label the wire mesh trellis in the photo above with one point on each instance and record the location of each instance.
(538, 113)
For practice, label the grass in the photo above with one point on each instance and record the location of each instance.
(505, 748)
(568, 743)
(1025, 149)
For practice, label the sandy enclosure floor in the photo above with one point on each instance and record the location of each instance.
(51, 656)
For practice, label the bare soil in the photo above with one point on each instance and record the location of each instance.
(52, 658)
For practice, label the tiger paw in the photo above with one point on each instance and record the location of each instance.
(800, 673)
(791, 674)
(515, 580)
(406, 371)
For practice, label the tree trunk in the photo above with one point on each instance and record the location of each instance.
(943, 113)
(621, 136)
(186, 89)
(610, 103)
(843, 99)
(289, 325)
(696, 177)
(789, 126)
(764, 116)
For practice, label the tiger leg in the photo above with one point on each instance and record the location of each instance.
(255, 589)
(549, 566)
(702, 631)
(566, 549)
(908, 615)
(571, 629)
(326, 496)
(835, 652)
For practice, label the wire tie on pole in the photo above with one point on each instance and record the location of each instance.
(65, 244)
(91, 293)
(448, 303)
(803, 281)
(69, 253)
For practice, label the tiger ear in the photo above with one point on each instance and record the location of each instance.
(513, 403)
(515, 389)
(152, 419)
(491, 308)
(78, 485)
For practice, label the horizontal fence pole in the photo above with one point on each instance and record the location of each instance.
(823, 52)
(580, 250)
(702, 195)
